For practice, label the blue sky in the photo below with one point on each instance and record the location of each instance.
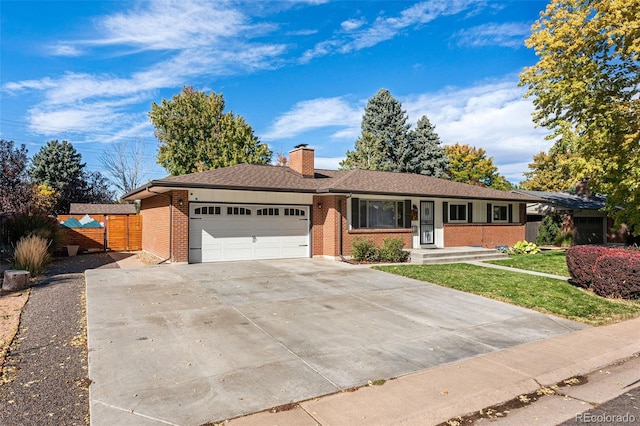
(297, 71)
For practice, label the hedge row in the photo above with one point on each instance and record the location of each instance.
(609, 272)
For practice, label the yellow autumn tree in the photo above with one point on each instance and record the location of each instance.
(586, 90)
(468, 164)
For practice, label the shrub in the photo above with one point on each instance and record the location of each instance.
(31, 254)
(580, 262)
(23, 224)
(564, 239)
(617, 274)
(391, 250)
(549, 229)
(364, 249)
(524, 247)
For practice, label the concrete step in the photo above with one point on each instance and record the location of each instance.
(449, 257)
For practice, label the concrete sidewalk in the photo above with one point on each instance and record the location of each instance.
(434, 396)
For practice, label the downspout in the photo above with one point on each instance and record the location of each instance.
(170, 224)
(340, 228)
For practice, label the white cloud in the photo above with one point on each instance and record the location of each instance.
(352, 24)
(510, 34)
(192, 34)
(66, 50)
(314, 114)
(385, 28)
(492, 116)
(174, 24)
(328, 163)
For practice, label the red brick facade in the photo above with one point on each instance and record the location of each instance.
(330, 234)
(489, 235)
(328, 213)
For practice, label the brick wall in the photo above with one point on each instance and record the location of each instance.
(489, 235)
(156, 218)
(155, 230)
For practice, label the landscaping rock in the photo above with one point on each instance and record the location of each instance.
(15, 280)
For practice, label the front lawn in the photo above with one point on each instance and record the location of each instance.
(549, 262)
(542, 294)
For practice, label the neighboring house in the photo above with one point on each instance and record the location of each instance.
(262, 212)
(581, 212)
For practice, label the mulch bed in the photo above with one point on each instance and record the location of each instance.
(44, 380)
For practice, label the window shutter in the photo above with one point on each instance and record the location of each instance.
(470, 212)
(355, 213)
(445, 212)
(407, 213)
(510, 213)
(489, 212)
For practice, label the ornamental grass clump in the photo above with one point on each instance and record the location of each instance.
(32, 254)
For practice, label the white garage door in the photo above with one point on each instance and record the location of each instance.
(241, 232)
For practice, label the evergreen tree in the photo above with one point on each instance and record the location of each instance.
(423, 153)
(59, 166)
(550, 228)
(368, 154)
(386, 121)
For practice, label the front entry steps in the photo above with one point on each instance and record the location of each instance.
(454, 254)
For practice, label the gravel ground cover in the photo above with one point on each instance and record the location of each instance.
(44, 378)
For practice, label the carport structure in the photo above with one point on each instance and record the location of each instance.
(190, 344)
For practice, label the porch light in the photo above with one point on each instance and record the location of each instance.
(319, 205)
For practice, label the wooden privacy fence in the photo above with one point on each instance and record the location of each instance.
(120, 233)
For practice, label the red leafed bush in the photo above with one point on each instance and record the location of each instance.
(580, 261)
(617, 274)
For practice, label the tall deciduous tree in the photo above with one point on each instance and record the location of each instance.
(196, 135)
(468, 164)
(558, 170)
(123, 164)
(15, 190)
(586, 90)
(423, 152)
(60, 167)
(386, 121)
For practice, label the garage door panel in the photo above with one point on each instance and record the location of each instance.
(238, 232)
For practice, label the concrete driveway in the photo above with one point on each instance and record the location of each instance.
(190, 344)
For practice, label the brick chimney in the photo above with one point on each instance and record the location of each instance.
(301, 161)
(582, 188)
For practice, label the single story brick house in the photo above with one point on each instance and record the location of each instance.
(263, 212)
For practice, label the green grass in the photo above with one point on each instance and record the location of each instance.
(549, 262)
(542, 294)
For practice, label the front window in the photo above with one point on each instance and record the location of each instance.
(381, 214)
(500, 214)
(458, 212)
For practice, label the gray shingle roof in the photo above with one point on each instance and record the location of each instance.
(80, 208)
(277, 178)
(568, 200)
